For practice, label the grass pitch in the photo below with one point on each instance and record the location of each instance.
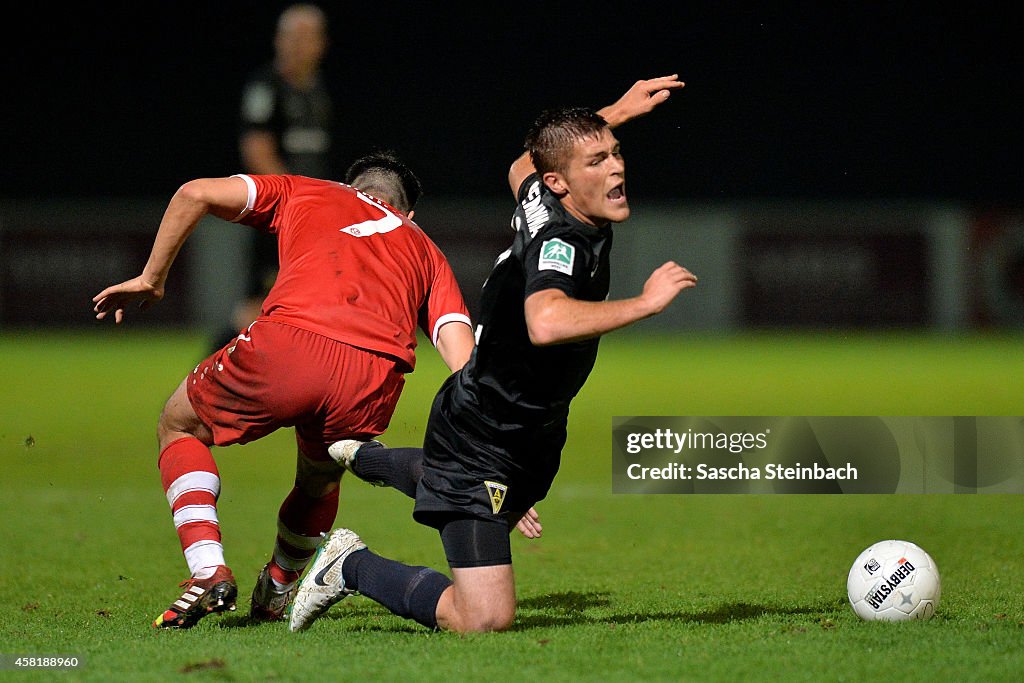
(698, 587)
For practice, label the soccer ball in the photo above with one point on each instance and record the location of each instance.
(894, 581)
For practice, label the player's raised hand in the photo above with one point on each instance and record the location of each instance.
(118, 297)
(641, 98)
(665, 283)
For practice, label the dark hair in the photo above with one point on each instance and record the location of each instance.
(554, 133)
(383, 173)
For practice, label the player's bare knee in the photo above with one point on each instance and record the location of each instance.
(178, 419)
(501, 621)
(165, 427)
(170, 425)
(492, 623)
(487, 620)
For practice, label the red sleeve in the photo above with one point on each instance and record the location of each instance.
(444, 303)
(267, 193)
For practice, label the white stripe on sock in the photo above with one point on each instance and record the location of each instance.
(203, 557)
(297, 540)
(286, 561)
(195, 513)
(193, 481)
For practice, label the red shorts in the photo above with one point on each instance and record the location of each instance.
(276, 375)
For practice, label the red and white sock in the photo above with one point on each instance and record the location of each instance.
(301, 524)
(191, 483)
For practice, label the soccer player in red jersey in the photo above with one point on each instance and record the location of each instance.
(327, 355)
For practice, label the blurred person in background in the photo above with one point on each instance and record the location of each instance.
(287, 118)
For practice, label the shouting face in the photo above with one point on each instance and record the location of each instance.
(593, 185)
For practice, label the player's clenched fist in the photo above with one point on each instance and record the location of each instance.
(665, 283)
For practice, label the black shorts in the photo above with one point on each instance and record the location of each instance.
(473, 467)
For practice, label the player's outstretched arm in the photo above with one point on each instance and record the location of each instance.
(641, 98)
(221, 197)
(553, 317)
(519, 171)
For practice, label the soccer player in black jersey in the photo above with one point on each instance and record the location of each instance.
(497, 427)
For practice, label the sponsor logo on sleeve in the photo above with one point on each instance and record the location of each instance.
(557, 255)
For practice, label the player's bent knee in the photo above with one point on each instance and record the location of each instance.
(495, 615)
(498, 619)
(178, 419)
(164, 429)
(486, 621)
(482, 599)
(501, 622)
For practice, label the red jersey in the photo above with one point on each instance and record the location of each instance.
(351, 267)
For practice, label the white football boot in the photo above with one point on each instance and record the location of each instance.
(323, 585)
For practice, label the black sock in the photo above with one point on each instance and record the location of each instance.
(399, 468)
(410, 592)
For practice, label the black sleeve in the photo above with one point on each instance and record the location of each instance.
(525, 185)
(259, 105)
(556, 261)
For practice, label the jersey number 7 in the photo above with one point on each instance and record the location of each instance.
(386, 223)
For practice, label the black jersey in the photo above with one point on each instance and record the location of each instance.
(508, 379)
(497, 427)
(300, 120)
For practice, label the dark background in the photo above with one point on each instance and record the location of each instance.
(856, 101)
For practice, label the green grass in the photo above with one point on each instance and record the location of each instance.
(621, 587)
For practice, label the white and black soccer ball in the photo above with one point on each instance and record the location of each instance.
(894, 581)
